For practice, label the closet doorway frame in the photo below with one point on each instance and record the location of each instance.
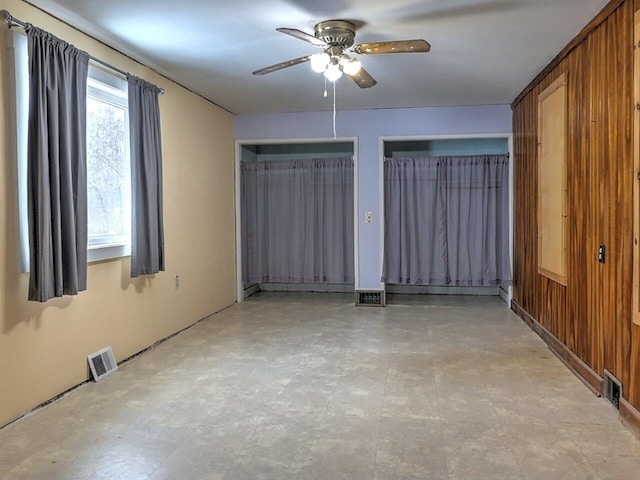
(506, 296)
(239, 144)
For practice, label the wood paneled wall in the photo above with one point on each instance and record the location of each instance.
(592, 315)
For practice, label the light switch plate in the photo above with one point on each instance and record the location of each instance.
(368, 217)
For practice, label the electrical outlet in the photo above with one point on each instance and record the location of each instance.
(177, 279)
(601, 253)
(368, 217)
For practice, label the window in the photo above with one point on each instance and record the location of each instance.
(108, 172)
(20, 85)
(108, 164)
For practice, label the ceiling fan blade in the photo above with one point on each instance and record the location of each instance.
(294, 32)
(399, 46)
(280, 66)
(363, 79)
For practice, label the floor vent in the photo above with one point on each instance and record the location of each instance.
(370, 298)
(102, 363)
(612, 389)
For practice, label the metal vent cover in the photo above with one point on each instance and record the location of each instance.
(102, 363)
(612, 389)
(370, 298)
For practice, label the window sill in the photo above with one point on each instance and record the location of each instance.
(100, 253)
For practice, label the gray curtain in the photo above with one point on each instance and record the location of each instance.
(447, 221)
(147, 229)
(56, 167)
(297, 221)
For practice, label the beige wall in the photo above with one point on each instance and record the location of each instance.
(43, 347)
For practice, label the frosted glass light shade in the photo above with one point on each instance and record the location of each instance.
(319, 62)
(333, 72)
(351, 67)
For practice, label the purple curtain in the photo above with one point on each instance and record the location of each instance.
(147, 224)
(56, 167)
(297, 221)
(447, 221)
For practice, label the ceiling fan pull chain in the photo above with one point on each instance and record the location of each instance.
(334, 111)
(325, 87)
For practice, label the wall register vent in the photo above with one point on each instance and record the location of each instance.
(370, 298)
(102, 363)
(612, 389)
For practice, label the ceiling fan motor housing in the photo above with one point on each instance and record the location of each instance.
(336, 32)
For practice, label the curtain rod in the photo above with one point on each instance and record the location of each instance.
(6, 17)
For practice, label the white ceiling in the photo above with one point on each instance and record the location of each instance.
(483, 51)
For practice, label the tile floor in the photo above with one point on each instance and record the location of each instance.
(306, 386)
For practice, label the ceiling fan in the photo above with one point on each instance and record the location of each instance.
(336, 38)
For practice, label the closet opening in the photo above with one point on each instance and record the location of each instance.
(296, 216)
(447, 217)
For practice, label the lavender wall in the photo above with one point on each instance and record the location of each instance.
(369, 126)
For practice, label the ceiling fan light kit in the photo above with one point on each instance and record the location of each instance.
(320, 62)
(336, 38)
(350, 66)
(333, 72)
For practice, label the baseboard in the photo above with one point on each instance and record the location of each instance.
(504, 295)
(250, 290)
(630, 417)
(308, 287)
(441, 290)
(583, 371)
